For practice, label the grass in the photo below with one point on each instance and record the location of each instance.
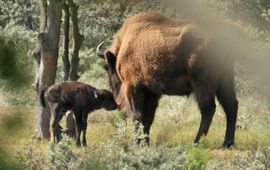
(108, 135)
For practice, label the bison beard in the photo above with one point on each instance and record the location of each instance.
(152, 55)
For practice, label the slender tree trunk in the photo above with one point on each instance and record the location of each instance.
(36, 53)
(78, 40)
(49, 41)
(72, 72)
(65, 57)
(43, 15)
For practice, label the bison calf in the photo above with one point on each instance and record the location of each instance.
(79, 98)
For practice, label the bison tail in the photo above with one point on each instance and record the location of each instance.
(41, 96)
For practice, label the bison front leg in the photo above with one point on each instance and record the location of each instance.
(150, 106)
(135, 102)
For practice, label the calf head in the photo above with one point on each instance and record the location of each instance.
(105, 99)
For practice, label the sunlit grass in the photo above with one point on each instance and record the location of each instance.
(171, 128)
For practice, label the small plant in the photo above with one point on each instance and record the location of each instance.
(62, 156)
(243, 121)
(118, 118)
(199, 156)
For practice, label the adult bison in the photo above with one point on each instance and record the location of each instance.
(152, 55)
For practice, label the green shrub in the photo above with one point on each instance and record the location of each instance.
(199, 156)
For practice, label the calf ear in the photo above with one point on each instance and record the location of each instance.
(111, 59)
(98, 94)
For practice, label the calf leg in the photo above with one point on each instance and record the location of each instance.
(79, 126)
(84, 127)
(227, 98)
(54, 128)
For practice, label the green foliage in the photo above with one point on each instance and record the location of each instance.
(99, 22)
(118, 118)
(253, 13)
(199, 156)
(6, 162)
(62, 156)
(136, 157)
(12, 69)
(22, 12)
(11, 125)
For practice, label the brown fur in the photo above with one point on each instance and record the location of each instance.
(153, 55)
(79, 98)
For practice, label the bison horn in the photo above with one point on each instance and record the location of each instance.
(99, 52)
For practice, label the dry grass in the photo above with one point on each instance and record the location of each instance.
(172, 127)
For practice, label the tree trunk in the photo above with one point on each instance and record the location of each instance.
(72, 72)
(36, 53)
(78, 40)
(65, 57)
(49, 41)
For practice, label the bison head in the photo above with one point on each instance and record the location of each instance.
(110, 67)
(106, 99)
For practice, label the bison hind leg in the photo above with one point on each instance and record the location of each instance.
(54, 122)
(227, 98)
(205, 95)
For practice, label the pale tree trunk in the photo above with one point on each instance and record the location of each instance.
(36, 53)
(48, 41)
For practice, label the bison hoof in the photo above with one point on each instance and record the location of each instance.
(228, 144)
(142, 140)
(195, 144)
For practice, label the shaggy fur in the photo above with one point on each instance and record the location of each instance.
(79, 98)
(152, 55)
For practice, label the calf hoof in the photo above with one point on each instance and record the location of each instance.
(84, 144)
(227, 144)
(78, 144)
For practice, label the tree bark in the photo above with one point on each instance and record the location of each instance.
(78, 40)
(43, 15)
(65, 57)
(36, 53)
(48, 42)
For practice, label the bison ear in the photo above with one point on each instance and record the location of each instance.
(111, 59)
